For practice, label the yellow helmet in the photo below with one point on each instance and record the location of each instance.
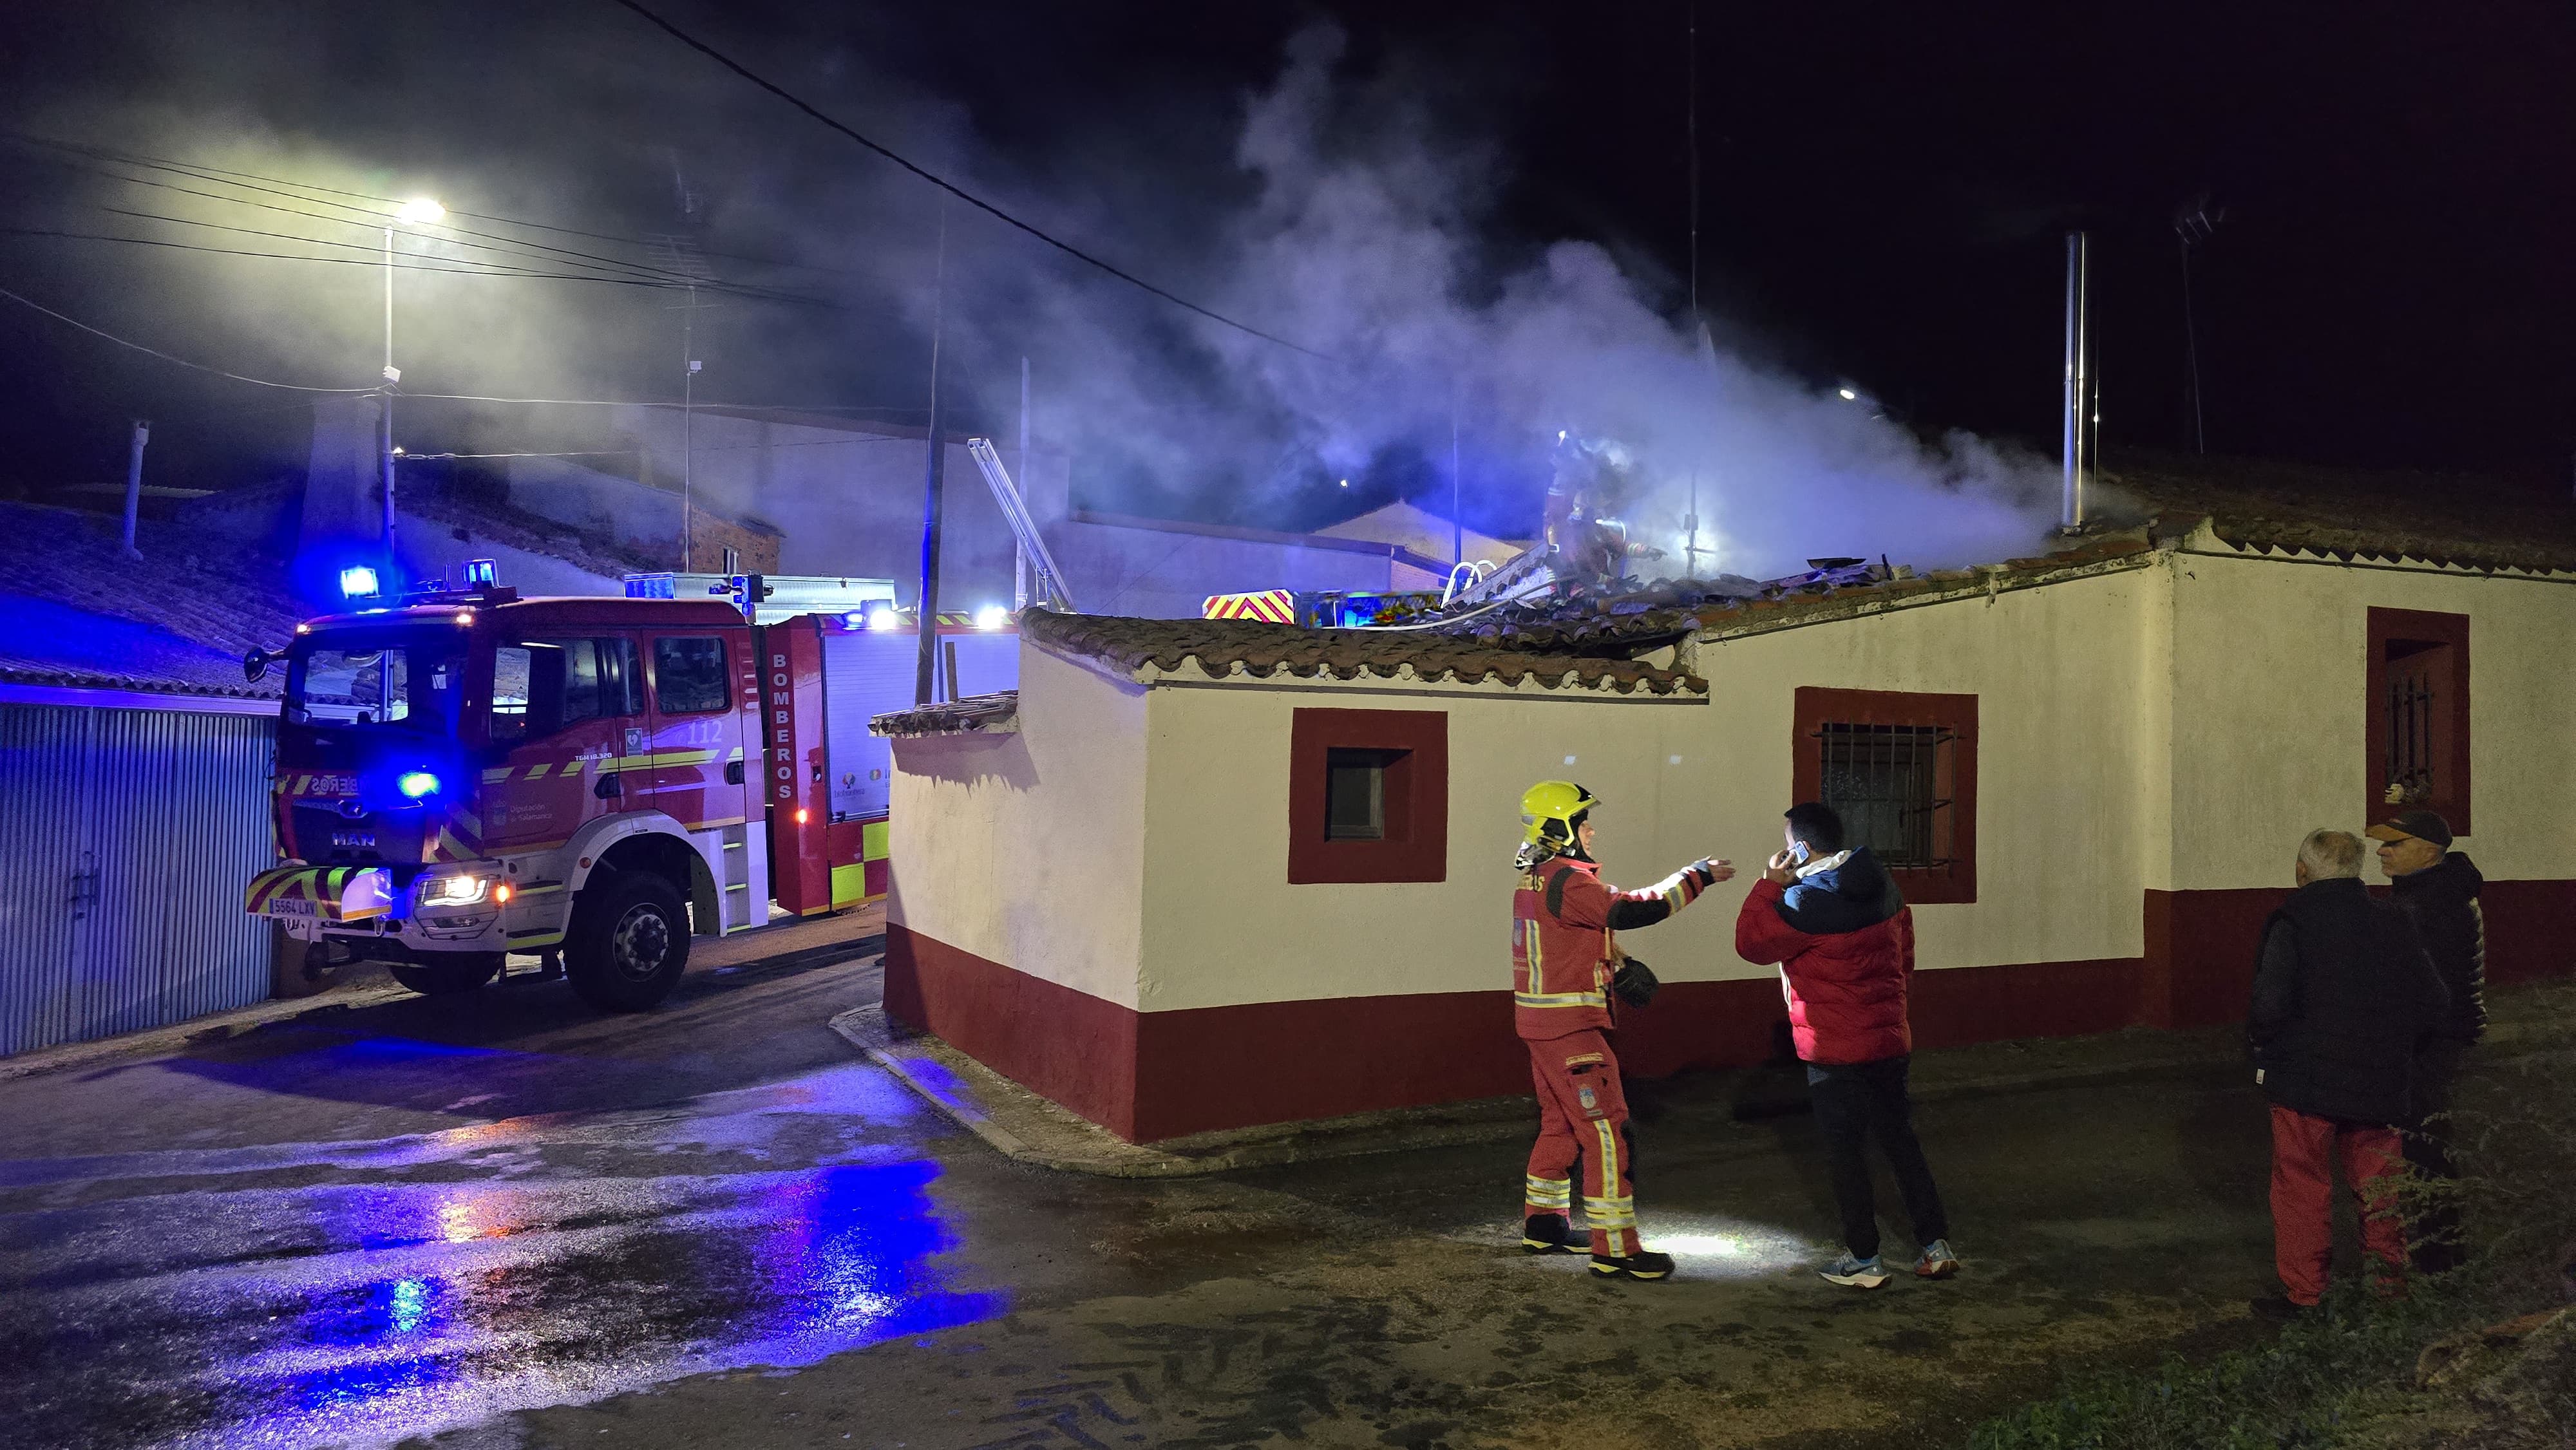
(1548, 810)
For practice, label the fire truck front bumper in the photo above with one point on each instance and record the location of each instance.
(449, 909)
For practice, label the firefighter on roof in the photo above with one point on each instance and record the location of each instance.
(1566, 964)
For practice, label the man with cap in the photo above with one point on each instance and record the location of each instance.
(1564, 964)
(2438, 888)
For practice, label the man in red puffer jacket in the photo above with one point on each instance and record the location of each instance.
(1843, 937)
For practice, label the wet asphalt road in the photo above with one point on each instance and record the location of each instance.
(504, 1220)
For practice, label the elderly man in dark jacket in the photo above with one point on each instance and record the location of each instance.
(2342, 992)
(2438, 889)
(1833, 919)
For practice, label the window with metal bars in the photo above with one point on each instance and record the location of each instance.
(1900, 768)
(1885, 782)
(2418, 713)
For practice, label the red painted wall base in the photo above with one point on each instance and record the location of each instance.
(1146, 1076)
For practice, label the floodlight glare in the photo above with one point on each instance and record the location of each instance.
(1846, 394)
(418, 210)
(992, 616)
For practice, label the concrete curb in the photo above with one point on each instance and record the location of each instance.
(1027, 1128)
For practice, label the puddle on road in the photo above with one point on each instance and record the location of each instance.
(234, 1312)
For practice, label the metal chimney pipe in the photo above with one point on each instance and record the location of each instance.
(134, 485)
(2078, 390)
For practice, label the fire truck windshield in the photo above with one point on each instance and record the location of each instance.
(410, 679)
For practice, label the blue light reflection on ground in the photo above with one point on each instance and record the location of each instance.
(467, 1316)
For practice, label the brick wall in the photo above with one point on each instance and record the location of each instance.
(711, 534)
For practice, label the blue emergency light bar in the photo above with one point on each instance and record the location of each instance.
(358, 581)
(481, 573)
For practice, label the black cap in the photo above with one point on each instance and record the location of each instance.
(2422, 825)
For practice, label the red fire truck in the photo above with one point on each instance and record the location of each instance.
(467, 774)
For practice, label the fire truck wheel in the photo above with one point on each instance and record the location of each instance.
(446, 979)
(628, 943)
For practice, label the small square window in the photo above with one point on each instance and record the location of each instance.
(689, 675)
(1368, 796)
(1355, 792)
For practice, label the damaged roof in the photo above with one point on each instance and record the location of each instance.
(1229, 647)
(2150, 502)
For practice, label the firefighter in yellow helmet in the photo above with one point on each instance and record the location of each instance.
(1564, 964)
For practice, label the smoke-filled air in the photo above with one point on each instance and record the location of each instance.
(1338, 208)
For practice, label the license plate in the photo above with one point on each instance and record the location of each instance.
(291, 906)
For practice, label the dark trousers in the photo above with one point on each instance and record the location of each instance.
(2436, 1229)
(1856, 1102)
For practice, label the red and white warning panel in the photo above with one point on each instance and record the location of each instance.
(825, 677)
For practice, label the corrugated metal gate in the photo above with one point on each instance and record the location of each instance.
(125, 837)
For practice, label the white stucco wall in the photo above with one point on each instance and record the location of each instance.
(2067, 679)
(1026, 849)
(2270, 656)
(1222, 924)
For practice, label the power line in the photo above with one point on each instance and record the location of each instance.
(485, 271)
(229, 177)
(1070, 250)
(166, 357)
(364, 218)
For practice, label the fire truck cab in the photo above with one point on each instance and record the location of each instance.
(470, 774)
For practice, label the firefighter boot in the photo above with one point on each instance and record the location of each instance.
(1643, 1264)
(1549, 1233)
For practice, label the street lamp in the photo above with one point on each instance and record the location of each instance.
(419, 211)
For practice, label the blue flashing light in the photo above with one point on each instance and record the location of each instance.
(415, 784)
(855, 619)
(481, 573)
(358, 581)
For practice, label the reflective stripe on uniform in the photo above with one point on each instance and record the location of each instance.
(1561, 999)
(1550, 1193)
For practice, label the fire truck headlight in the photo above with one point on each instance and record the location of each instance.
(453, 890)
(358, 581)
(415, 784)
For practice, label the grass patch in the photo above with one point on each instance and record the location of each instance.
(2359, 1375)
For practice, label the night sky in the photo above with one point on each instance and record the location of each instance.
(1885, 193)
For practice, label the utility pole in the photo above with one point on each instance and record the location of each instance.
(925, 671)
(1019, 554)
(134, 484)
(688, 432)
(1690, 127)
(385, 396)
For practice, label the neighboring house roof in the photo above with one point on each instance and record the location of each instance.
(1372, 547)
(1146, 649)
(519, 529)
(80, 615)
(1410, 526)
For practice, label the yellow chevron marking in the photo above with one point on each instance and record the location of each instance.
(538, 770)
(498, 772)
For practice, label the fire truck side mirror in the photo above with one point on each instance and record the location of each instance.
(608, 786)
(255, 665)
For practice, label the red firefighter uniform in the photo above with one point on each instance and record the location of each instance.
(1563, 956)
